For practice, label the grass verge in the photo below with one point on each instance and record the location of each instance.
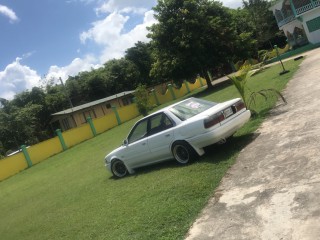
(72, 196)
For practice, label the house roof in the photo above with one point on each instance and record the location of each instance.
(90, 104)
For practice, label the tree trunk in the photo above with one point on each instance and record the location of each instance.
(206, 76)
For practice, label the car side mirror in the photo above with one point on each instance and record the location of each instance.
(125, 142)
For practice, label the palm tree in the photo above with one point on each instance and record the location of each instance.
(249, 97)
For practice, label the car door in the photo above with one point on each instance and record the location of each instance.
(136, 152)
(160, 136)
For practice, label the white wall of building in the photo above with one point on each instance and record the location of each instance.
(313, 37)
(289, 27)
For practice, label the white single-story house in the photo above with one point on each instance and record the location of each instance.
(299, 20)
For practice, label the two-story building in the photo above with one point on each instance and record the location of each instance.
(76, 116)
(299, 20)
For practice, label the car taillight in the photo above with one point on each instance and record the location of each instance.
(239, 105)
(213, 120)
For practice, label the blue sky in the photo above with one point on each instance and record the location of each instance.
(58, 38)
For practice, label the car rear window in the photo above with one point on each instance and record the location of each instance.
(190, 108)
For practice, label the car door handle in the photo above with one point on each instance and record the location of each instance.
(167, 135)
(143, 144)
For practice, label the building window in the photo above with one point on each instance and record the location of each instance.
(87, 114)
(314, 24)
(65, 124)
(127, 101)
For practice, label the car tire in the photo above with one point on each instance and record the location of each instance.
(118, 168)
(183, 153)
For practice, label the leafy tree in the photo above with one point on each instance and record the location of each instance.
(55, 99)
(2, 151)
(19, 125)
(191, 37)
(140, 55)
(260, 20)
(75, 90)
(245, 45)
(121, 75)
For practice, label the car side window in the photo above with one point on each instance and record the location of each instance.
(158, 123)
(139, 131)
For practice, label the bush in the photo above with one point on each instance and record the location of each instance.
(142, 99)
(263, 55)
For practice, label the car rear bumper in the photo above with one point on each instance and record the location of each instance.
(225, 130)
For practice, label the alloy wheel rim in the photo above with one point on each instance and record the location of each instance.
(119, 169)
(181, 153)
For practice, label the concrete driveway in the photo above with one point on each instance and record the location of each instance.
(273, 190)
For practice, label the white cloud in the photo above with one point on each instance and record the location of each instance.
(232, 3)
(16, 78)
(117, 48)
(105, 31)
(109, 33)
(126, 6)
(82, 1)
(9, 13)
(76, 66)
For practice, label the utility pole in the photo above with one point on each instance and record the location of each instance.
(65, 92)
(70, 103)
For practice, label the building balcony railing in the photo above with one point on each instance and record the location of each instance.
(286, 20)
(304, 8)
(307, 7)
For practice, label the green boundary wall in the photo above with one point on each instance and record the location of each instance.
(294, 52)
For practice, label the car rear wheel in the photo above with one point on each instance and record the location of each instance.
(118, 168)
(183, 152)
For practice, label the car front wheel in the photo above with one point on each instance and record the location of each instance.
(183, 152)
(118, 168)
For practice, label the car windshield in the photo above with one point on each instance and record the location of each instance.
(190, 108)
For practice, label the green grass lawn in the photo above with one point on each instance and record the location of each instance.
(72, 196)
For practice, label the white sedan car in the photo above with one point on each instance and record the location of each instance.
(179, 131)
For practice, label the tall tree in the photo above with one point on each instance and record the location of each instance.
(245, 45)
(121, 75)
(260, 20)
(19, 125)
(140, 55)
(191, 37)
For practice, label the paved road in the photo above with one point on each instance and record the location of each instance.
(273, 190)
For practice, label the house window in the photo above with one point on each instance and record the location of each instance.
(314, 24)
(65, 124)
(108, 105)
(87, 114)
(126, 101)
